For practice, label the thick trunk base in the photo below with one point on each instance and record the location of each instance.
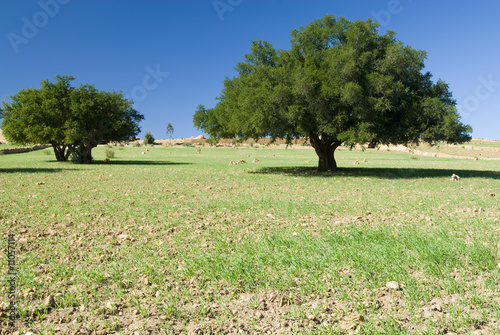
(325, 149)
(327, 162)
(81, 154)
(62, 152)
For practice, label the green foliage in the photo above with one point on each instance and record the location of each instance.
(148, 138)
(212, 141)
(110, 153)
(73, 119)
(170, 130)
(187, 144)
(250, 142)
(340, 81)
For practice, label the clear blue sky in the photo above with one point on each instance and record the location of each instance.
(190, 47)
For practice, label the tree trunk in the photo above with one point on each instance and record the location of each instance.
(82, 153)
(61, 152)
(325, 149)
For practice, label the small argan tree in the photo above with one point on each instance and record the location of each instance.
(73, 119)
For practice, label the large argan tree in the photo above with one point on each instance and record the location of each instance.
(72, 119)
(340, 82)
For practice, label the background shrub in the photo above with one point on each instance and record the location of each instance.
(212, 141)
(148, 138)
(110, 153)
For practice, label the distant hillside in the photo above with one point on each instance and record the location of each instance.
(2, 139)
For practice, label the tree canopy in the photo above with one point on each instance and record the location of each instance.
(340, 82)
(72, 119)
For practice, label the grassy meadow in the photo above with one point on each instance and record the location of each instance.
(177, 241)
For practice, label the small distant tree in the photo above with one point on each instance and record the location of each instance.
(148, 138)
(170, 131)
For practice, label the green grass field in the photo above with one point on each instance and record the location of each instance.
(177, 241)
(12, 146)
